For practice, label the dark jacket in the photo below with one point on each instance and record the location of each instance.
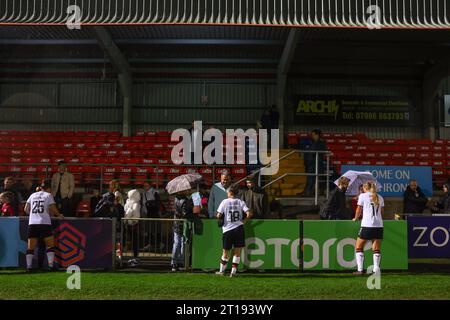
(336, 206)
(310, 157)
(414, 202)
(256, 201)
(444, 203)
(183, 210)
(105, 205)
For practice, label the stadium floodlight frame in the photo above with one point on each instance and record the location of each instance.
(395, 14)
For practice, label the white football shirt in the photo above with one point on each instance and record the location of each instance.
(233, 211)
(39, 203)
(371, 213)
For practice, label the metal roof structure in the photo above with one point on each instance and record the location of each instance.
(397, 14)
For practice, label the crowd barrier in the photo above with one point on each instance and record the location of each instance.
(298, 245)
(301, 245)
(85, 242)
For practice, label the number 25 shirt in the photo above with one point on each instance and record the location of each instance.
(39, 203)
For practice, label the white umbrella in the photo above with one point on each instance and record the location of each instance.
(183, 182)
(357, 178)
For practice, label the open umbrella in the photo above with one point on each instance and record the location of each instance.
(357, 178)
(183, 182)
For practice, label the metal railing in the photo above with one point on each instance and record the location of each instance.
(316, 174)
(151, 241)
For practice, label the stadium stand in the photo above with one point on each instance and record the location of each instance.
(358, 149)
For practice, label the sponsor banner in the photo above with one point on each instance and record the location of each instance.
(330, 245)
(429, 237)
(269, 245)
(347, 110)
(395, 179)
(86, 243)
(9, 242)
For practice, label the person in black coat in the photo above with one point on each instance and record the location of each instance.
(414, 200)
(443, 204)
(336, 207)
(317, 144)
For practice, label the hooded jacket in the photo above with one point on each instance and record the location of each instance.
(133, 206)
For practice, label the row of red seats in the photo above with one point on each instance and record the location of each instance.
(389, 162)
(389, 148)
(15, 133)
(132, 146)
(162, 157)
(391, 155)
(235, 170)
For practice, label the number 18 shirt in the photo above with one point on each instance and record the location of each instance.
(39, 202)
(233, 212)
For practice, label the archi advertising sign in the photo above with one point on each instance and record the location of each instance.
(348, 110)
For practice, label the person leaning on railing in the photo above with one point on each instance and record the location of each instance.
(414, 200)
(443, 204)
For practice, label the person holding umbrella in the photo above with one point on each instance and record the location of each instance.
(182, 187)
(371, 206)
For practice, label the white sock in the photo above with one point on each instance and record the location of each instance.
(29, 257)
(235, 264)
(360, 261)
(376, 261)
(223, 264)
(50, 258)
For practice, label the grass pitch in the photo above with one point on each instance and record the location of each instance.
(137, 286)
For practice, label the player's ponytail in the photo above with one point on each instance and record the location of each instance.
(372, 187)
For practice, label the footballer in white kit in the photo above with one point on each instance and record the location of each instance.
(40, 205)
(371, 206)
(231, 215)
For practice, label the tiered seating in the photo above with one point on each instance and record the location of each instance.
(357, 149)
(145, 156)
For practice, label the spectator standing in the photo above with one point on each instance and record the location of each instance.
(443, 204)
(336, 208)
(183, 210)
(200, 201)
(28, 188)
(151, 202)
(414, 200)
(218, 193)
(94, 200)
(310, 161)
(255, 198)
(103, 207)
(9, 185)
(6, 207)
(133, 210)
(63, 186)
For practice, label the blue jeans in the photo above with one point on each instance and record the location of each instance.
(178, 250)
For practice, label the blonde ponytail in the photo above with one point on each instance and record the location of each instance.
(372, 188)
